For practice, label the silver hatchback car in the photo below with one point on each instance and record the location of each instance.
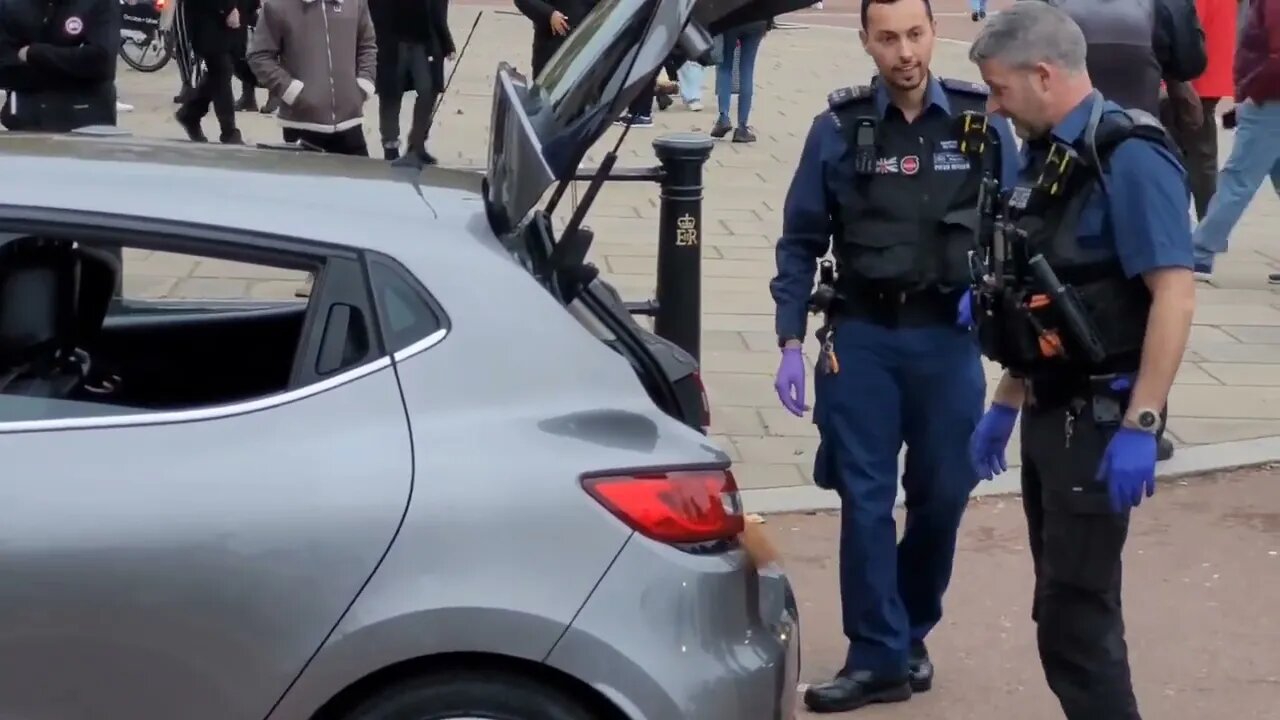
(456, 481)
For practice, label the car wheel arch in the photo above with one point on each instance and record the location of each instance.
(347, 700)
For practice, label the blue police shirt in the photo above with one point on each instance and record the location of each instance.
(810, 207)
(1144, 211)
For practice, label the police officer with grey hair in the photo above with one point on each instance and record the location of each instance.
(1085, 296)
(1132, 47)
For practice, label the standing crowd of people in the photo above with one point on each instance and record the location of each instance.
(319, 62)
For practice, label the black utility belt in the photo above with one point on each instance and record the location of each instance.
(1107, 392)
(921, 308)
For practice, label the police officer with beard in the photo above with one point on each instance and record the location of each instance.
(58, 63)
(1087, 303)
(883, 175)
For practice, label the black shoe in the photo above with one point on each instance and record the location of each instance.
(982, 14)
(415, 159)
(1164, 448)
(231, 138)
(192, 127)
(976, 16)
(920, 668)
(390, 153)
(721, 128)
(664, 101)
(247, 103)
(744, 135)
(852, 691)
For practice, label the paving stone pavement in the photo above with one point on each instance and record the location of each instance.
(1228, 387)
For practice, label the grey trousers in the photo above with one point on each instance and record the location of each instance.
(413, 70)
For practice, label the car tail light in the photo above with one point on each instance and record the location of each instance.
(678, 507)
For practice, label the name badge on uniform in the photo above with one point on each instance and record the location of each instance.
(948, 158)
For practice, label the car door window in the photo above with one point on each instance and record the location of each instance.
(93, 326)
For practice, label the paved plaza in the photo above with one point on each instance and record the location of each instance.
(1228, 389)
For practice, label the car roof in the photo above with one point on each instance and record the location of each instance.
(352, 201)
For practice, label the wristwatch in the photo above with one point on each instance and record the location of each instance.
(1146, 420)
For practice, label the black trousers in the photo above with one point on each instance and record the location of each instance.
(544, 46)
(642, 106)
(1076, 543)
(1199, 149)
(414, 70)
(346, 142)
(214, 89)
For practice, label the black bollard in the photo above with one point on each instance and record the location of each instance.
(679, 297)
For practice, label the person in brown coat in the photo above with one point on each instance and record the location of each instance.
(319, 57)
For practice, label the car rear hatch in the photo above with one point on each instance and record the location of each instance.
(542, 128)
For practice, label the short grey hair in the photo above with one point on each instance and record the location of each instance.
(1029, 33)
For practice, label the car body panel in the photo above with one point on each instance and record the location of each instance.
(699, 643)
(501, 545)
(191, 569)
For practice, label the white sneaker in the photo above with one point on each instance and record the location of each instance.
(694, 105)
(123, 107)
(817, 5)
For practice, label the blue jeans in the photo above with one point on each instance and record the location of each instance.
(746, 74)
(978, 5)
(1255, 155)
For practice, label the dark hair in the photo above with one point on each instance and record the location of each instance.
(866, 5)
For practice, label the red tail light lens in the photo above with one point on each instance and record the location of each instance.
(673, 507)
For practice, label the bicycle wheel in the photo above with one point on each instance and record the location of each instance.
(153, 53)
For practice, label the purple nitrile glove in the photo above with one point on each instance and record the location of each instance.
(964, 313)
(989, 440)
(790, 381)
(1128, 468)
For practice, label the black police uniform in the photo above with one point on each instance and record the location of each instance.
(68, 78)
(1070, 318)
(895, 201)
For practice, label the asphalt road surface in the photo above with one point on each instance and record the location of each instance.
(1202, 603)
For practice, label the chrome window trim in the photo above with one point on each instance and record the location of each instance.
(230, 409)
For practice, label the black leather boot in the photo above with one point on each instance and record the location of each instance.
(850, 691)
(920, 668)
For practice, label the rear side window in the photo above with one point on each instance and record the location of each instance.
(405, 310)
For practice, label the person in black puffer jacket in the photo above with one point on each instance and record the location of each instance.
(58, 63)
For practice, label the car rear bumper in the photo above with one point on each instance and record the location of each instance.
(672, 636)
